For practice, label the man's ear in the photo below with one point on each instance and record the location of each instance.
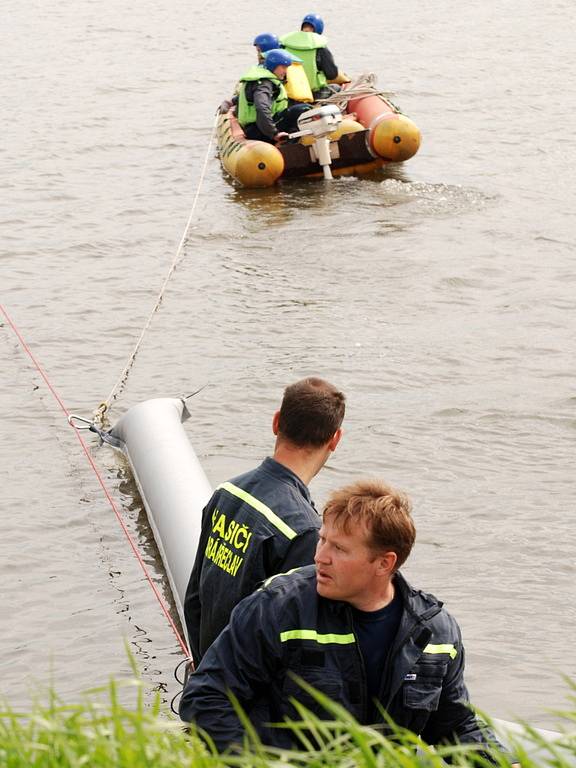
(275, 421)
(387, 562)
(335, 439)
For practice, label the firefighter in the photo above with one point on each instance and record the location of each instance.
(352, 627)
(263, 522)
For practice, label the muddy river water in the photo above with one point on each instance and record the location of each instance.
(440, 296)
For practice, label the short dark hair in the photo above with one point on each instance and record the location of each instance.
(312, 411)
(385, 511)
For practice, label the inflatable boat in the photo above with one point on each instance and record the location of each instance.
(174, 490)
(372, 131)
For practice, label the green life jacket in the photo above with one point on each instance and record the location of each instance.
(304, 45)
(246, 109)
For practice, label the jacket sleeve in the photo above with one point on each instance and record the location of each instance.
(263, 97)
(300, 552)
(192, 603)
(454, 721)
(243, 659)
(325, 62)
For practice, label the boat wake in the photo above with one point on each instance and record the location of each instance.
(433, 199)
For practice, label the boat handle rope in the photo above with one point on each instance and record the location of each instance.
(100, 414)
(71, 418)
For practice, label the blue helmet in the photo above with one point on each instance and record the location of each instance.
(278, 57)
(315, 22)
(266, 42)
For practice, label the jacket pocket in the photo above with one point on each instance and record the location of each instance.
(327, 684)
(424, 691)
(423, 695)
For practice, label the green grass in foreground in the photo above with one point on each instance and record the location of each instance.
(101, 731)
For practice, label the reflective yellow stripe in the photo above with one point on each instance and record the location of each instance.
(259, 507)
(275, 576)
(446, 648)
(311, 634)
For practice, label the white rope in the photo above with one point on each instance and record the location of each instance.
(120, 383)
(364, 85)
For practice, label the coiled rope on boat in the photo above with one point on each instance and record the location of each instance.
(364, 85)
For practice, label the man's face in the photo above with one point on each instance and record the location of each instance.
(280, 71)
(345, 566)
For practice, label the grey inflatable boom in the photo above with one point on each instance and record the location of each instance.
(171, 481)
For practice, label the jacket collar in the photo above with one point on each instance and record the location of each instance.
(282, 473)
(420, 606)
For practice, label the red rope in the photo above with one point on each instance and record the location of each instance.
(163, 605)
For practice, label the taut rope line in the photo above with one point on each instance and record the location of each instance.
(105, 405)
(115, 509)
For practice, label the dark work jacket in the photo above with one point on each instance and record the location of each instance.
(325, 63)
(287, 629)
(263, 94)
(259, 524)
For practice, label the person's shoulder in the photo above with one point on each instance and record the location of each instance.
(246, 477)
(234, 487)
(278, 602)
(265, 84)
(441, 621)
(295, 581)
(295, 507)
(268, 471)
(423, 603)
(321, 41)
(278, 592)
(283, 489)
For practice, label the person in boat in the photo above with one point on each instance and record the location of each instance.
(263, 43)
(263, 110)
(263, 522)
(311, 46)
(352, 627)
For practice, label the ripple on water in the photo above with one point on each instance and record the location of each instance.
(433, 199)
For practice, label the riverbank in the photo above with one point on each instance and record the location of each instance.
(103, 730)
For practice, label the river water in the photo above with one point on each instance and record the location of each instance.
(440, 296)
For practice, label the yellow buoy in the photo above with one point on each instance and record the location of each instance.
(395, 138)
(258, 164)
(252, 163)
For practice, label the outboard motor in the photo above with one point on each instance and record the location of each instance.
(320, 123)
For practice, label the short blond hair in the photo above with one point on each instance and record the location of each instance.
(385, 511)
